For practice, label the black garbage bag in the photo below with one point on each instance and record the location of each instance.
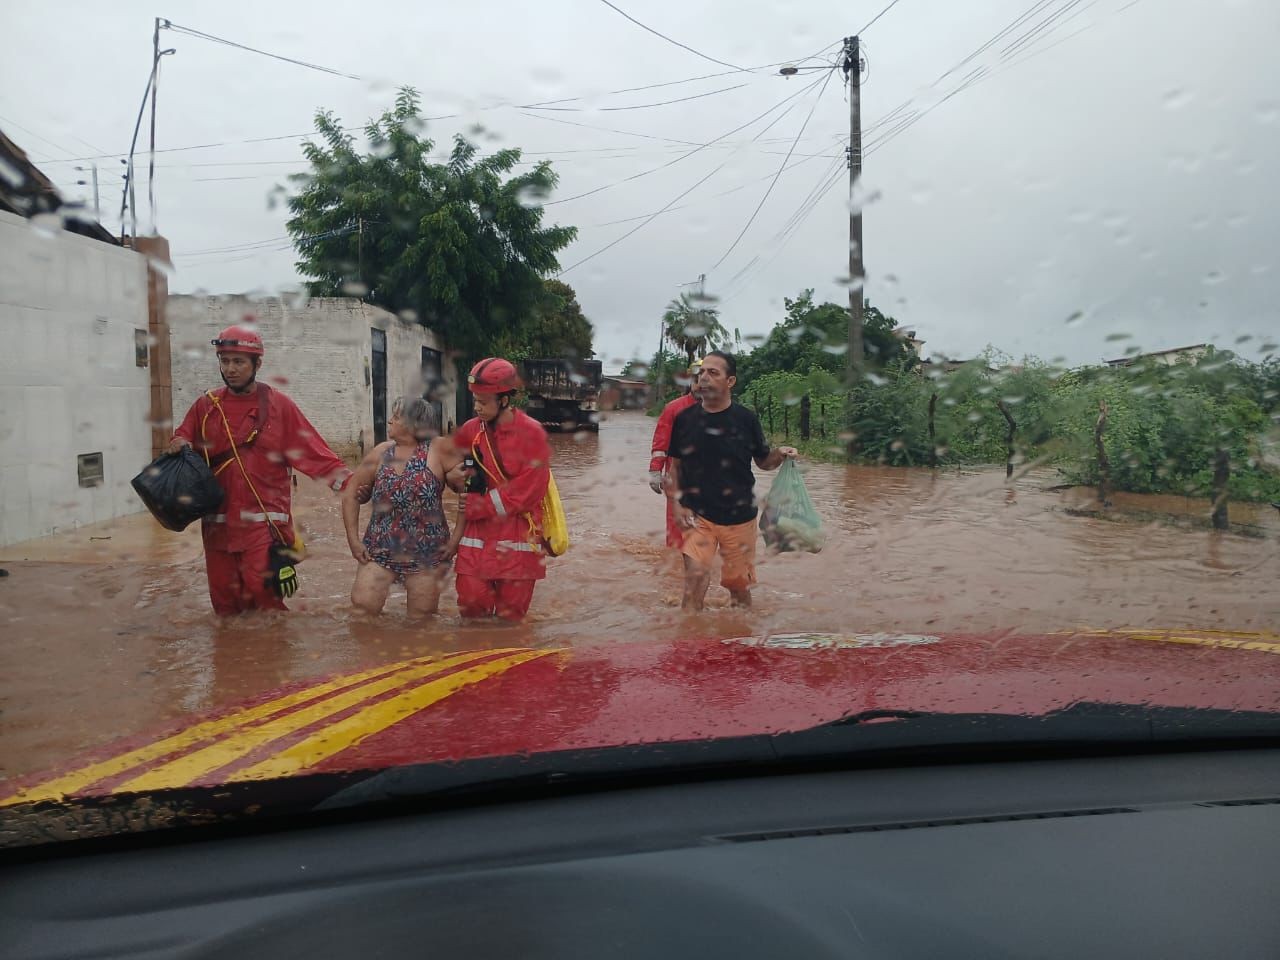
(178, 489)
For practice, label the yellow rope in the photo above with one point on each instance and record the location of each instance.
(235, 453)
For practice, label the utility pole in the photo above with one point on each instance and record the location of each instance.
(151, 164)
(852, 67)
(97, 203)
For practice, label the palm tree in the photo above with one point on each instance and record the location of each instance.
(692, 327)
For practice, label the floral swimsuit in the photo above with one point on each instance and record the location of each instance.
(407, 530)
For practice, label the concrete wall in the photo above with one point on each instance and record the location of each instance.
(318, 351)
(69, 381)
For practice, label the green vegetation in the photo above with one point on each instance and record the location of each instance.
(1164, 424)
(459, 244)
(1164, 427)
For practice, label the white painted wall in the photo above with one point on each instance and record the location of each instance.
(318, 351)
(69, 383)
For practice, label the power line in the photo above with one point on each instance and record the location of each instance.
(714, 196)
(684, 156)
(1052, 21)
(785, 236)
(829, 175)
(170, 25)
(872, 22)
(673, 201)
(683, 46)
(32, 133)
(638, 106)
(774, 182)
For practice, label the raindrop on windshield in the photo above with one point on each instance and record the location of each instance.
(533, 195)
(354, 288)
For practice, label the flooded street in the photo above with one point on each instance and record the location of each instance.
(111, 636)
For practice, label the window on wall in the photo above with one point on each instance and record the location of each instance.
(141, 347)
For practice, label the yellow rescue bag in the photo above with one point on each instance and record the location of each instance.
(555, 529)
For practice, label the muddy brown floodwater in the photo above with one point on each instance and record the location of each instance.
(106, 638)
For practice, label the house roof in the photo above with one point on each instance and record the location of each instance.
(1125, 361)
(26, 191)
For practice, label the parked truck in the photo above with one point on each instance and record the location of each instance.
(563, 394)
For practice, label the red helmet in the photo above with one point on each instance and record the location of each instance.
(238, 339)
(493, 375)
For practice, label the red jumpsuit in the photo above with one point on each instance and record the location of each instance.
(659, 462)
(238, 538)
(501, 556)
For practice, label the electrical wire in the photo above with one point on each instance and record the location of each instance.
(892, 4)
(683, 46)
(187, 31)
(714, 196)
(673, 201)
(637, 106)
(1034, 31)
(684, 156)
(830, 175)
(752, 219)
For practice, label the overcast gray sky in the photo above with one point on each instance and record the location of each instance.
(1118, 166)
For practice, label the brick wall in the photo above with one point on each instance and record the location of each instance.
(318, 351)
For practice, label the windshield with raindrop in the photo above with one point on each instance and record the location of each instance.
(388, 387)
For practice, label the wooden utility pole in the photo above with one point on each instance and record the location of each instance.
(852, 67)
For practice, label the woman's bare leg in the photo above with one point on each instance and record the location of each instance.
(373, 583)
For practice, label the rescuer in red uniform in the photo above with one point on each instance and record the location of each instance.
(253, 436)
(658, 464)
(501, 556)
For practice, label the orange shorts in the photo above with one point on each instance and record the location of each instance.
(737, 547)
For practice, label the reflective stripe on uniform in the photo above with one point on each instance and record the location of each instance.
(251, 517)
(497, 503)
(517, 545)
(658, 453)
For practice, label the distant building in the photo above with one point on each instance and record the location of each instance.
(1190, 355)
(909, 338)
(624, 393)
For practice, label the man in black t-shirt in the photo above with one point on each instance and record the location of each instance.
(712, 446)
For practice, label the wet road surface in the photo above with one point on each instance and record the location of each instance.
(108, 638)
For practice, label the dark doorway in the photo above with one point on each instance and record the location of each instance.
(379, 385)
(433, 383)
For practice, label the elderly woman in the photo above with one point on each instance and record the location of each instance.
(407, 539)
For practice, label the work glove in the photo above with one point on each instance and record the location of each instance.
(655, 481)
(281, 575)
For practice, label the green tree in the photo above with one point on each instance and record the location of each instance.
(461, 243)
(558, 328)
(816, 337)
(692, 327)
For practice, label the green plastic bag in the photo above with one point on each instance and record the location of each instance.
(787, 517)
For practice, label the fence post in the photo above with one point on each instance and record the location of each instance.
(1104, 465)
(822, 419)
(933, 439)
(786, 420)
(1013, 428)
(771, 415)
(1221, 477)
(805, 412)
